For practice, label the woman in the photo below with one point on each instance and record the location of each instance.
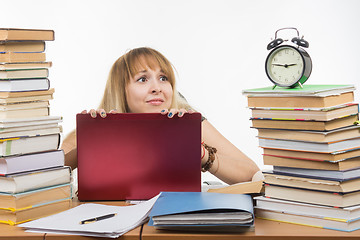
(143, 81)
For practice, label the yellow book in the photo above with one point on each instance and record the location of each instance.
(22, 46)
(13, 34)
(29, 214)
(33, 198)
(12, 57)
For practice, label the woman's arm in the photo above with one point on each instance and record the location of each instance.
(69, 147)
(230, 165)
(69, 143)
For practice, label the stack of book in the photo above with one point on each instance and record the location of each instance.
(311, 138)
(33, 180)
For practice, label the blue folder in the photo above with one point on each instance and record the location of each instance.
(196, 202)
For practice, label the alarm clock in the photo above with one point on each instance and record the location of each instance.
(288, 64)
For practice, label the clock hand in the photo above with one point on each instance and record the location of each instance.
(284, 65)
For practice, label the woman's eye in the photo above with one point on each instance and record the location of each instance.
(163, 78)
(142, 79)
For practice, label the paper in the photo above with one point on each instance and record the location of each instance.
(68, 222)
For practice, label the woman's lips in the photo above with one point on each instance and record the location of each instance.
(155, 102)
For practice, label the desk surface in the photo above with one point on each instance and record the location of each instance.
(11, 232)
(264, 229)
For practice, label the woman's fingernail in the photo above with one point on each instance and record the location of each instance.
(93, 114)
(103, 114)
(170, 114)
(163, 110)
(180, 114)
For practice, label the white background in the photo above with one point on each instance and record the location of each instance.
(217, 47)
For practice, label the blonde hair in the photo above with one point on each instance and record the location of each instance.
(126, 67)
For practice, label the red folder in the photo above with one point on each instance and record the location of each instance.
(137, 155)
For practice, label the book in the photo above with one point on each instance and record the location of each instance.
(30, 162)
(26, 145)
(307, 114)
(313, 136)
(26, 99)
(37, 179)
(24, 110)
(23, 105)
(20, 85)
(305, 124)
(24, 73)
(300, 101)
(25, 113)
(14, 34)
(17, 130)
(8, 95)
(30, 131)
(25, 65)
(315, 156)
(25, 122)
(341, 165)
(346, 225)
(67, 222)
(202, 211)
(30, 214)
(313, 183)
(29, 96)
(307, 209)
(33, 198)
(22, 46)
(342, 145)
(333, 199)
(14, 57)
(318, 90)
(318, 173)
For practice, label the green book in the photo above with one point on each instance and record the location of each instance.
(307, 90)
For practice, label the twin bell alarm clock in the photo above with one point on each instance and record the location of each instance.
(288, 64)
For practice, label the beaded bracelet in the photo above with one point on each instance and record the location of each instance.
(211, 158)
(202, 146)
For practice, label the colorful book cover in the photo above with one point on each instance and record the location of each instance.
(307, 90)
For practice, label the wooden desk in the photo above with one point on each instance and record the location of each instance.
(264, 230)
(11, 232)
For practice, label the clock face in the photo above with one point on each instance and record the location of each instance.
(285, 66)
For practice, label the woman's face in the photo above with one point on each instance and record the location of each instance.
(149, 91)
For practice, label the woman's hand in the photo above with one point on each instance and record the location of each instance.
(93, 113)
(170, 113)
(180, 112)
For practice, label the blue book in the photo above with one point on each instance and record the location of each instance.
(202, 211)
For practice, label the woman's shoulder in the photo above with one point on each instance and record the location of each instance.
(184, 99)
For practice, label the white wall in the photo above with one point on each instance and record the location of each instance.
(218, 48)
